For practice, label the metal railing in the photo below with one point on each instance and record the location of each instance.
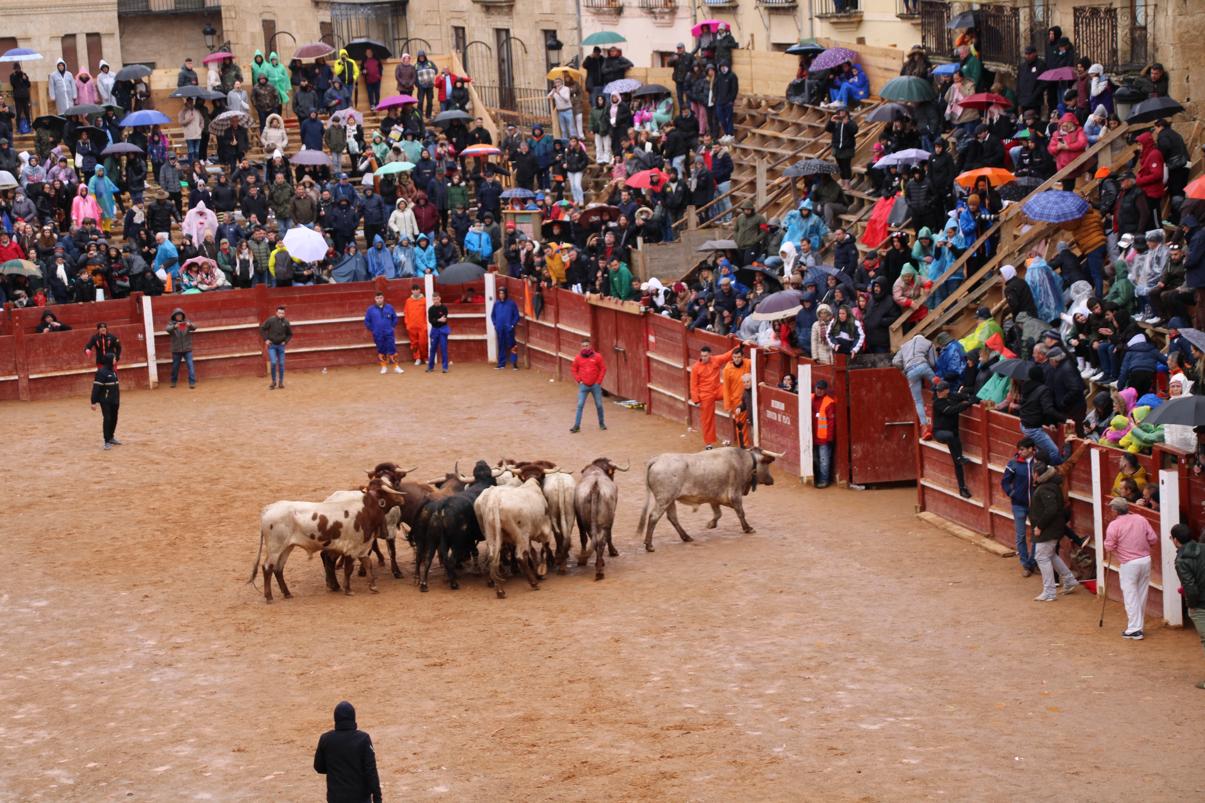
(934, 33)
(907, 8)
(133, 7)
(778, 4)
(658, 6)
(721, 3)
(523, 106)
(835, 8)
(602, 5)
(999, 34)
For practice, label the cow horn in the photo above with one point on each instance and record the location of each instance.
(552, 470)
(775, 455)
(410, 470)
(497, 472)
(461, 477)
(624, 467)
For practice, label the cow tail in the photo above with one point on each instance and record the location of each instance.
(596, 508)
(258, 552)
(494, 527)
(648, 499)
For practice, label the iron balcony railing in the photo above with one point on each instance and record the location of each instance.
(135, 7)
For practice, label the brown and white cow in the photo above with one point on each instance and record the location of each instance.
(594, 502)
(516, 518)
(344, 529)
(716, 477)
(393, 522)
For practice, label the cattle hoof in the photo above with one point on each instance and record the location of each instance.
(599, 576)
(374, 589)
(423, 587)
(489, 583)
(649, 548)
(361, 573)
(561, 569)
(397, 575)
(686, 537)
(349, 593)
(535, 586)
(711, 525)
(501, 594)
(268, 601)
(612, 552)
(749, 529)
(287, 595)
(454, 585)
(581, 562)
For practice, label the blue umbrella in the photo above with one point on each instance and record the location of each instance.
(518, 192)
(947, 69)
(1055, 206)
(145, 117)
(20, 54)
(621, 87)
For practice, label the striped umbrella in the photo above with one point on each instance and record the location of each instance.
(20, 54)
(621, 87)
(810, 167)
(833, 57)
(480, 150)
(1055, 206)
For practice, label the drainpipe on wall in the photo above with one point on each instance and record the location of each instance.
(811, 21)
(580, 32)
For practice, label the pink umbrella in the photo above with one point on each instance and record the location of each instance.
(1058, 74)
(314, 50)
(706, 25)
(396, 100)
(221, 55)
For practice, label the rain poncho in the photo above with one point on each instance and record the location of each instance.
(1047, 289)
(350, 268)
(105, 192)
(83, 207)
(198, 222)
(380, 261)
(167, 259)
(424, 260)
(978, 338)
(403, 258)
(278, 77)
(259, 66)
(798, 227)
(1180, 436)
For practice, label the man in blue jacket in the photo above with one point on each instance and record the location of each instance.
(478, 248)
(1017, 483)
(505, 316)
(381, 320)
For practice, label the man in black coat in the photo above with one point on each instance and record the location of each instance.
(1175, 158)
(947, 407)
(1030, 90)
(1131, 210)
(985, 150)
(683, 64)
(345, 756)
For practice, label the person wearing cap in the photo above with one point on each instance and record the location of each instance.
(103, 343)
(705, 390)
(1190, 568)
(1132, 209)
(276, 332)
(948, 406)
(843, 141)
(1129, 538)
(1048, 515)
(824, 432)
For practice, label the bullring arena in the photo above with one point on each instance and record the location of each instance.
(844, 651)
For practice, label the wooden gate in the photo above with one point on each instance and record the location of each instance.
(620, 337)
(882, 427)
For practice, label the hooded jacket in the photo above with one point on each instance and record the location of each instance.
(351, 267)
(380, 260)
(1190, 566)
(345, 756)
(1150, 168)
(180, 329)
(1046, 510)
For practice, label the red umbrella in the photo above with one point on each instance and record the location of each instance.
(1196, 189)
(985, 100)
(221, 55)
(648, 179)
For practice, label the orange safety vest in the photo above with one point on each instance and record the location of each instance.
(825, 428)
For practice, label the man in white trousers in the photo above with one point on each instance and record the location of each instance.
(1130, 537)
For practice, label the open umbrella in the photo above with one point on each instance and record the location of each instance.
(133, 72)
(7, 180)
(396, 100)
(220, 123)
(313, 50)
(220, 55)
(909, 89)
(985, 100)
(1058, 74)
(783, 304)
(1055, 206)
(1195, 189)
(566, 73)
(94, 133)
(518, 192)
(20, 267)
(305, 244)
(1152, 109)
(51, 121)
(887, 113)
(706, 25)
(356, 47)
(118, 148)
(1188, 411)
(1194, 336)
(950, 68)
(718, 245)
(204, 262)
(964, 20)
(145, 117)
(460, 273)
(818, 275)
(84, 109)
(996, 175)
(393, 168)
(833, 57)
(772, 278)
(1013, 369)
(908, 156)
(197, 92)
(341, 116)
(621, 87)
(480, 149)
(443, 118)
(649, 90)
(805, 46)
(604, 38)
(19, 54)
(311, 158)
(597, 212)
(648, 179)
(810, 167)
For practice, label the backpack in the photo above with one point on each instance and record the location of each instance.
(283, 272)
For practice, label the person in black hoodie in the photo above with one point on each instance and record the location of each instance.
(725, 88)
(941, 173)
(1029, 88)
(880, 314)
(106, 394)
(103, 344)
(947, 407)
(1037, 411)
(345, 756)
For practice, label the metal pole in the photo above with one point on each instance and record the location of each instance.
(753, 413)
(1098, 522)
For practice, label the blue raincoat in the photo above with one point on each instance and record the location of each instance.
(105, 192)
(379, 260)
(1047, 289)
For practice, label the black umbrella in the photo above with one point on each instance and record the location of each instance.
(964, 20)
(747, 276)
(887, 113)
(650, 89)
(443, 118)
(119, 148)
(356, 47)
(1152, 109)
(778, 305)
(460, 273)
(810, 167)
(1194, 336)
(198, 92)
(806, 46)
(84, 108)
(133, 72)
(51, 121)
(94, 133)
(1013, 369)
(1186, 411)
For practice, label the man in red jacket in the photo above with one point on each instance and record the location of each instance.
(1150, 171)
(588, 370)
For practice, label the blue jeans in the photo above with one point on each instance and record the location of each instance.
(506, 346)
(276, 359)
(917, 375)
(1020, 513)
(723, 114)
(565, 120)
(1105, 352)
(582, 392)
(1096, 269)
(1045, 443)
(194, 149)
(438, 342)
(186, 356)
(824, 463)
(720, 210)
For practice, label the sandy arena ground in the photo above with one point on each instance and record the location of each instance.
(846, 651)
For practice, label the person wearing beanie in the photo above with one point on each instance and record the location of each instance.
(1190, 567)
(1048, 515)
(948, 406)
(346, 757)
(1129, 537)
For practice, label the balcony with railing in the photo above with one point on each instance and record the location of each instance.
(136, 7)
(908, 10)
(778, 5)
(838, 12)
(721, 3)
(494, 2)
(659, 8)
(611, 7)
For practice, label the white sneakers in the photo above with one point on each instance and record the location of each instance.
(397, 369)
(384, 369)
(418, 362)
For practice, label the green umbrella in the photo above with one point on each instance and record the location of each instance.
(20, 267)
(908, 89)
(394, 167)
(603, 38)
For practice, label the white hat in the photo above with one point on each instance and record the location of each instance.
(1125, 241)
(1096, 69)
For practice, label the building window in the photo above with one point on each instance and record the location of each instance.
(95, 52)
(552, 50)
(269, 28)
(69, 53)
(459, 43)
(506, 68)
(6, 69)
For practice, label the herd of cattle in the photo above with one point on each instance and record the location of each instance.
(524, 512)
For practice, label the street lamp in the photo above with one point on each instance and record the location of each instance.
(211, 34)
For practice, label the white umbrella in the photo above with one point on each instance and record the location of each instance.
(305, 244)
(7, 181)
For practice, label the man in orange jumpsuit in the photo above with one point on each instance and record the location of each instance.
(733, 386)
(705, 389)
(414, 313)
